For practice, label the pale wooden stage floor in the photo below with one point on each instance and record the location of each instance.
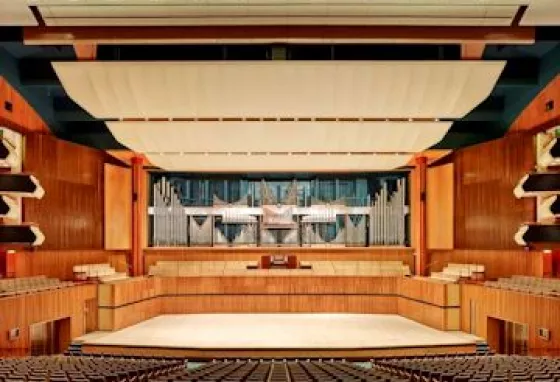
(279, 331)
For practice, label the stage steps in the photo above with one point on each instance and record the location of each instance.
(482, 348)
(74, 349)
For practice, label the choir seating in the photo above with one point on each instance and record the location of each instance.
(454, 272)
(84, 369)
(313, 268)
(528, 284)
(100, 272)
(12, 287)
(474, 369)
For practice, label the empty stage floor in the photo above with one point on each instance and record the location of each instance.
(279, 335)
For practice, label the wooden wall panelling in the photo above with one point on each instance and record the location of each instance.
(17, 114)
(537, 116)
(118, 207)
(487, 214)
(278, 303)
(533, 310)
(498, 263)
(153, 255)
(59, 264)
(71, 212)
(431, 303)
(440, 206)
(28, 309)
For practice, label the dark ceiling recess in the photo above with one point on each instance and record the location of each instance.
(529, 69)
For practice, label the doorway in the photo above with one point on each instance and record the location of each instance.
(507, 337)
(50, 337)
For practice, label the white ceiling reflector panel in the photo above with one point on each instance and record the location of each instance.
(273, 89)
(289, 137)
(277, 162)
(16, 13)
(542, 13)
(252, 12)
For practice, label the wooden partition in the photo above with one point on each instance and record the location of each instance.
(127, 302)
(497, 263)
(440, 206)
(487, 214)
(153, 255)
(480, 304)
(118, 207)
(430, 302)
(71, 212)
(24, 310)
(59, 264)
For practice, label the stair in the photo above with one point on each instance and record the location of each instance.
(75, 349)
(482, 348)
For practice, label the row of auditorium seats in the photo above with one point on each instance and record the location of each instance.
(12, 287)
(454, 272)
(99, 272)
(528, 284)
(293, 371)
(84, 369)
(474, 369)
(449, 368)
(316, 268)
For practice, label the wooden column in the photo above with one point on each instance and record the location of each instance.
(138, 194)
(419, 193)
(7, 263)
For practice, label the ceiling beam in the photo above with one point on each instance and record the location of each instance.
(277, 34)
(472, 50)
(85, 52)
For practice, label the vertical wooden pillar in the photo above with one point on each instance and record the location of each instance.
(138, 194)
(7, 263)
(419, 193)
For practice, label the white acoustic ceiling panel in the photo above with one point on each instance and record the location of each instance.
(16, 13)
(277, 162)
(288, 137)
(542, 13)
(254, 12)
(277, 89)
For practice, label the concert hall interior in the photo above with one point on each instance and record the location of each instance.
(310, 190)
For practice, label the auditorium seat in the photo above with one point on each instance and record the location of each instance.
(528, 284)
(454, 272)
(85, 369)
(100, 272)
(473, 368)
(11, 287)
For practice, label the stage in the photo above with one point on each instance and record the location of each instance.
(278, 336)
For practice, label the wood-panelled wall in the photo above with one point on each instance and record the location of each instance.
(126, 303)
(59, 264)
(19, 116)
(487, 214)
(479, 303)
(28, 309)
(440, 206)
(71, 212)
(153, 255)
(498, 263)
(536, 116)
(118, 207)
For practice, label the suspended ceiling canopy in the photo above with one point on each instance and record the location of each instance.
(277, 12)
(279, 89)
(279, 115)
(279, 137)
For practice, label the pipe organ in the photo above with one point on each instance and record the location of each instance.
(264, 214)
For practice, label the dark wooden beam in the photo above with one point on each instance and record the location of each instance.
(85, 52)
(254, 34)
